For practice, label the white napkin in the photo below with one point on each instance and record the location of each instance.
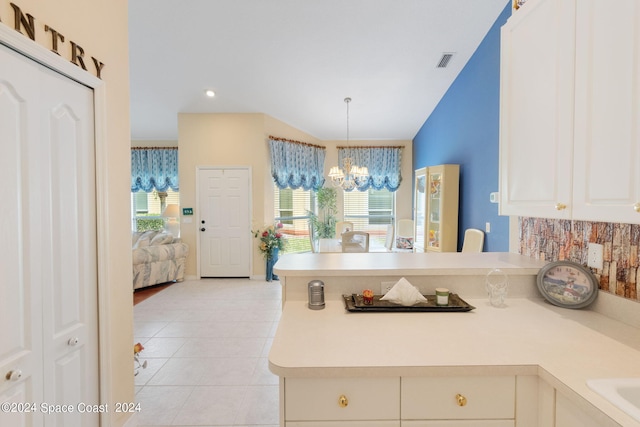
(404, 293)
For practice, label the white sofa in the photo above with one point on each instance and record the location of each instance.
(157, 258)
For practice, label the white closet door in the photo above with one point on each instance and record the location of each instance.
(69, 257)
(54, 227)
(20, 291)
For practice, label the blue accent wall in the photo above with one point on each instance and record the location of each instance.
(463, 129)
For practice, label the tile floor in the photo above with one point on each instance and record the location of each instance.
(206, 343)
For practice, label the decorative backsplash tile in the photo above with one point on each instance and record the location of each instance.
(555, 240)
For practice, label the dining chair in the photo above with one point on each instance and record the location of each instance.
(355, 241)
(473, 240)
(342, 227)
(404, 235)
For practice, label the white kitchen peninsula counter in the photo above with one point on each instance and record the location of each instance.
(529, 337)
(462, 273)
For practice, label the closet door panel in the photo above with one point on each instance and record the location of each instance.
(20, 298)
(70, 334)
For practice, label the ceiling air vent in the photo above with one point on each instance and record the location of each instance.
(444, 61)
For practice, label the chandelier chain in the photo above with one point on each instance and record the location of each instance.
(350, 175)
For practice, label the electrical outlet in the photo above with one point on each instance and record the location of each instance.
(487, 227)
(386, 287)
(595, 256)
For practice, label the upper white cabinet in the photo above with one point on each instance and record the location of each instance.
(607, 112)
(569, 114)
(536, 110)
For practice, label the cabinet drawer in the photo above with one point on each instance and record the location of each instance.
(459, 423)
(367, 423)
(436, 398)
(311, 399)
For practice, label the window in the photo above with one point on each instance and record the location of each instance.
(370, 211)
(291, 209)
(147, 208)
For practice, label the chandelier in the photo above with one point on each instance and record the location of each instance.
(350, 175)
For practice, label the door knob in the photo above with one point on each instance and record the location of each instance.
(636, 207)
(14, 375)
(72, 341)
(560, 206)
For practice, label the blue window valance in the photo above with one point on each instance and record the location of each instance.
(154, 168)
(384, 164)
(296, 164)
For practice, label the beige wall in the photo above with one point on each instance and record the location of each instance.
(100, 27)
(241, 140)
(228, 140)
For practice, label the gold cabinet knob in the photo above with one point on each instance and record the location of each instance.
(636, 207)
(343, 401)
(461, 400)
(560, 206)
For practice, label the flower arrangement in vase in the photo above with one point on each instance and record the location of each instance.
(270, 242)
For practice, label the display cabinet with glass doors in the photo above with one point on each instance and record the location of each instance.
(436, 208)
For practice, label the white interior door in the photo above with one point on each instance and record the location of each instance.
(224, 222)
(49, 297)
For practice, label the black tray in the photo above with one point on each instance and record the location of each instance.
(355, 303)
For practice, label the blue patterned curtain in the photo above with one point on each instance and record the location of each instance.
(296, 164)
(154, 168)
(383, 163)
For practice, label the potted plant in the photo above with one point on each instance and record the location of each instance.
(324, 223)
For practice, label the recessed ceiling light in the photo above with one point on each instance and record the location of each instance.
(210, 93)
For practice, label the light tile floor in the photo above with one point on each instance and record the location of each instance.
(206, 343)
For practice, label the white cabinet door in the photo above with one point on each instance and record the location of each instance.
(536, 110)
(568, 414)
(607, 112)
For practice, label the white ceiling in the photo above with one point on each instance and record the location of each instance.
(296, 60)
